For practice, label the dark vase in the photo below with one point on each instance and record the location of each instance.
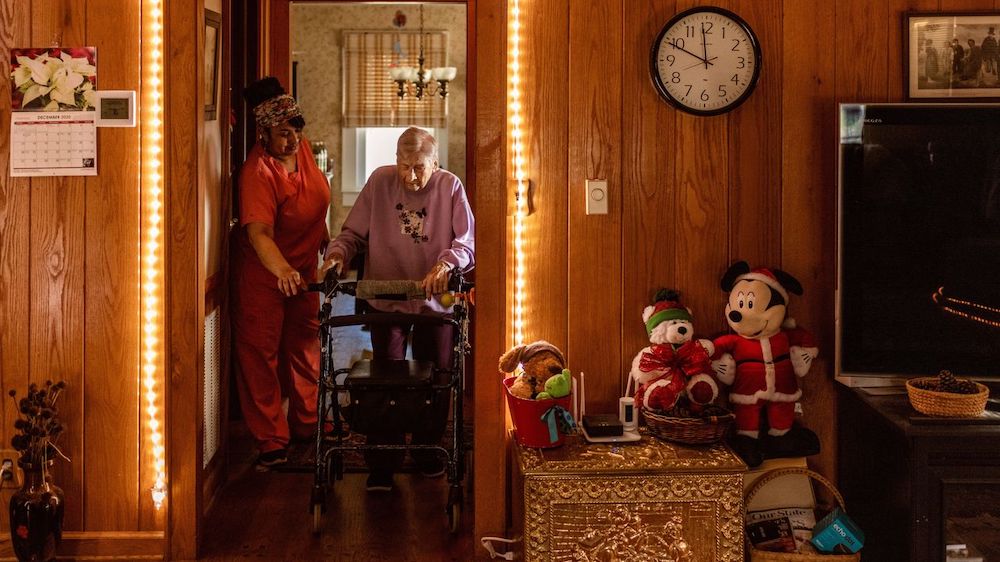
(36, 516)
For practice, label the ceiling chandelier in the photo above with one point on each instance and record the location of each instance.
(419, 82)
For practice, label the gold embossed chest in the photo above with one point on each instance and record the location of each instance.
(642, 502)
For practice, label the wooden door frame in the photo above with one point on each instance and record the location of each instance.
(216, 288)
(184, 285)
(189, 484)
(489, 193)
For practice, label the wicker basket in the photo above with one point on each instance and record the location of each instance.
(946, 404)
(691, 431)
(767, 556)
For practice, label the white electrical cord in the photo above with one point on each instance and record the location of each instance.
(488, 545)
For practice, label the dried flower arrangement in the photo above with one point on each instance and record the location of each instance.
(38, 424)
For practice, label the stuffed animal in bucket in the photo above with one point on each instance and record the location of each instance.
(539, 360)
(675, 363)
(557, 386)
(762, 361)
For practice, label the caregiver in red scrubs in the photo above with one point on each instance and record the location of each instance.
(283, 200)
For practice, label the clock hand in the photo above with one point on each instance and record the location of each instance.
(704, 47)
(699, 64)
(674, 45)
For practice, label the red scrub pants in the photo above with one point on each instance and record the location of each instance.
(277, 344)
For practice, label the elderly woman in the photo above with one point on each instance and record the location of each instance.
(283, 201)
(412, 221)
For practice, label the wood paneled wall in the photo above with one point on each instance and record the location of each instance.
(688, 195)
(69, 264)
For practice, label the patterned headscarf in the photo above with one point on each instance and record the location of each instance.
(276, 111)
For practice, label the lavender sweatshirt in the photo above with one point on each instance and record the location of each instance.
(404, 233)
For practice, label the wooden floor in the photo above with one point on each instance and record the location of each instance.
(265, 516)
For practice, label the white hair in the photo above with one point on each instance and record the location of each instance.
(417, 141)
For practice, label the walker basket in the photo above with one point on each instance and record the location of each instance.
(690, 431)
(768, 556)
(392, 396)
(946, 404)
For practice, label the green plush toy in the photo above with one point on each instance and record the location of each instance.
(557, 386)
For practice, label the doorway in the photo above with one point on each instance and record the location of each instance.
(311, 70)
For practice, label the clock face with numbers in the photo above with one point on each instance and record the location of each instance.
(705, 61)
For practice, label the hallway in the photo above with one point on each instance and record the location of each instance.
(265, 516)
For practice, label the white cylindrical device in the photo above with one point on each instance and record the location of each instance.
(626, 413)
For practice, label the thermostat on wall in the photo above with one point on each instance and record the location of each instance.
(115, 108)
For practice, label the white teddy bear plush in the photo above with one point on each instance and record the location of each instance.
(675, 364)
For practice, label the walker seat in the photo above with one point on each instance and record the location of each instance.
(389, 372)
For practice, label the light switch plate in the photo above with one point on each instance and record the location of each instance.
(597, 197)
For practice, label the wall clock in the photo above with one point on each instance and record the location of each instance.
(705, 61)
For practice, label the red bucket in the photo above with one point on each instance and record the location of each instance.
(529, 428)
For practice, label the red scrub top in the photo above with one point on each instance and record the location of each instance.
(295, 204)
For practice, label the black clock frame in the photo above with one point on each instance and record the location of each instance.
(654, 72)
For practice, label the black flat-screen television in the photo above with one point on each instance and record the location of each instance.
(918, 242)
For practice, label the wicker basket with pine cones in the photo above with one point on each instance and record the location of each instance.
(947, 395)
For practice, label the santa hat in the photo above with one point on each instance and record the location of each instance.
(666, 306)
(767, 277)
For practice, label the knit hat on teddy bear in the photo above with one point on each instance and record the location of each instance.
(666, 306)
(521, 353)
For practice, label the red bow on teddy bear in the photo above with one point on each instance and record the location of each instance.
(691, 359)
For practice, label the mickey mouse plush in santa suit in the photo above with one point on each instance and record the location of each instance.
(762, 362)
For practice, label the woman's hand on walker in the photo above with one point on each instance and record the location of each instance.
(289, 282)
(436, 280)
(334, 262)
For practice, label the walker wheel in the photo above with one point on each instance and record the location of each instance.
(317, 510)
(317, 503)
(454, 518)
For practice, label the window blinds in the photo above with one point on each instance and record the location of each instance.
(370, 96)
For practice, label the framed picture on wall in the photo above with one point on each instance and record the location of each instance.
(952, 56)
(213, 23)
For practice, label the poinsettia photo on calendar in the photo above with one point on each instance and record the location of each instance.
(53, 79)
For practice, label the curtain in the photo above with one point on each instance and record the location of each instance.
(370, 95)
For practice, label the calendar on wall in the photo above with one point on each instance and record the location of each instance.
(53, 144)
(53, 123)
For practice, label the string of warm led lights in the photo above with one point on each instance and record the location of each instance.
(517, 147)
(152, 130)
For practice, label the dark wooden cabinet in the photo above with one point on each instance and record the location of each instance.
(916, 484)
